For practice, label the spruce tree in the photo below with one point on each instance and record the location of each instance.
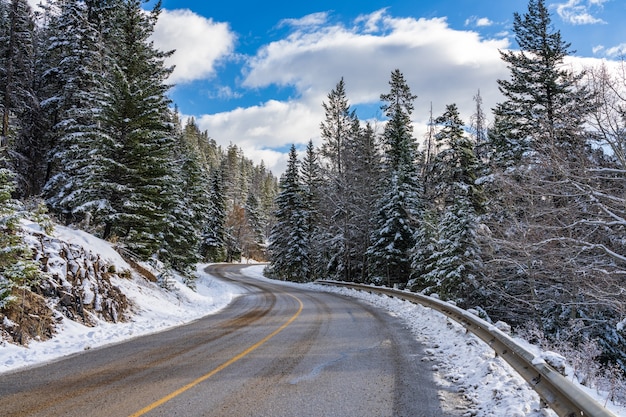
(362, 165)
(399, 204)
(213, 248)
(140, 124)
(312, 197)
(19, 105)
(288, 249)
(337, 131)
(255, 243)
(336, 128)
(543, 107)
(454, 265)
(16, 266)
(75, 94)
(187, 215)
(545, 237)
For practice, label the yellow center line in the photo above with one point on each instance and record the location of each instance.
(221, 367)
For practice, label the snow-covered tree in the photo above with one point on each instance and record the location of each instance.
(187, 215)
(399, 203)
(19, 105)
(313, 188)
(544, 104)
(288, 248)
(254, 245)
(16, 266)
(337, 131)
(213, 247)
(447, 253)
(363, 171)
(74, 95)
(140, 124)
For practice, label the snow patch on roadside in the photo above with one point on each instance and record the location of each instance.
(461, 362)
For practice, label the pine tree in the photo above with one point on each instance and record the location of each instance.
(19, 105)
(16, 266)
(139, 122)
(453, 264)
(213, 247)
(76, 92)
(288, 247)
(543, 107)
(312, 190)
(399, 203)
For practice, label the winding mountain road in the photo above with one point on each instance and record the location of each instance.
(275, 351)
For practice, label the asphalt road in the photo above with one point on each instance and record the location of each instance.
(275, 351)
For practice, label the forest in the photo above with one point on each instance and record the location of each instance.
(522, 219)
(90, 139)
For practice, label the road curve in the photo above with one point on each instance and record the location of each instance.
(275, 351)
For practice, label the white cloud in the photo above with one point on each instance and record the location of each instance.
(597, 49)
(199, 43)
(618, 51)
(478, 21)
(311, 20)
(577, 12)
(440, 64)
(259, 130)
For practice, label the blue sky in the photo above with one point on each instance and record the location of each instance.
(256, 73)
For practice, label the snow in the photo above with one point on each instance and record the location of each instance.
(460, 362)
(155, 308)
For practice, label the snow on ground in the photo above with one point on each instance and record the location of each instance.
(154, 310)
(460, 361)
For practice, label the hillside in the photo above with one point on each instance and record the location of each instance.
(90, 296)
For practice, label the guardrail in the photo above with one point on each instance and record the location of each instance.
(560, 394)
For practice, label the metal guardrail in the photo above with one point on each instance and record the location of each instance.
(560, 394)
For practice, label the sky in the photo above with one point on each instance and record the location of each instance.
(255, 74)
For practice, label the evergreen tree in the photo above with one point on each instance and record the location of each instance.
(455, 263)
(336, 128)
(288, 247)
(450, 252)
(456, 165)
(543, 106)
(16, 266)
(399, 146)
(312, 190)
(362, 167)
(255, 243)
(139, 122)
(546, 243)
(399, 204)
(183, 233)
(76, 93)
(19, 106)
(337, 131)
(213, 247)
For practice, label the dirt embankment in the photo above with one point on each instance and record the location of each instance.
(76, 284)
